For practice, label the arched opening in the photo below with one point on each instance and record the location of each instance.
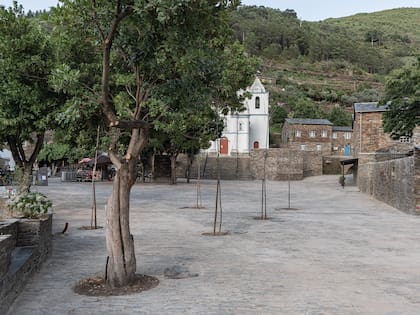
(256, 145)
(257, 102)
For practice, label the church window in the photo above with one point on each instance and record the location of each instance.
(312, 134)
(257, 102)
(323, 133)
(298, 134)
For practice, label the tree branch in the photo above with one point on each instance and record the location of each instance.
(130, 124)
(108, 106)
(96, 20)
(113, 156)
(38, 145)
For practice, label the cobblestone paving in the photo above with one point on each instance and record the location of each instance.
(342, 252)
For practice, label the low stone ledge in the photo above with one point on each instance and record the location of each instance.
(6, 246)
(27, 247)
(23, 264)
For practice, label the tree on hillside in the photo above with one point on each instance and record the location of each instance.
(28, 103)
(157, 58)
(339, 117)
(402, 93)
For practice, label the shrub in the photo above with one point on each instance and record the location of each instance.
(31, 204)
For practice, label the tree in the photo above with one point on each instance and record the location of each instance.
(402, 94)
(340, 117)
(28, 103)
(156, 57)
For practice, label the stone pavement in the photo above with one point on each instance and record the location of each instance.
(342, 252)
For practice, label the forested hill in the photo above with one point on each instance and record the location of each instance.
(375, 42)
(321, 68)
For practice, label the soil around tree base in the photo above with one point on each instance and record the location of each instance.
(96, 286)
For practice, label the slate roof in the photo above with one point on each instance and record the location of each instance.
(369, 107)
(342, 128)
(304, 121)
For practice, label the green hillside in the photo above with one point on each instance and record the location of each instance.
(396, 32)
(319, 69)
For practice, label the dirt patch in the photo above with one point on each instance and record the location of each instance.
(262, 218)
(87, 228)
(215, 234)
(96, 286)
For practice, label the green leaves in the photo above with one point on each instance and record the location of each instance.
(402, 93)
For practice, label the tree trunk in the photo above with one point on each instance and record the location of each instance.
(120, 245)
(190, 159)
(173, 169)
(26, 179)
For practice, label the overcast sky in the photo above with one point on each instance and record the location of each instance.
(309, 10)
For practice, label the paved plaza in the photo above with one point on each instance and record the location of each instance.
(341, 252)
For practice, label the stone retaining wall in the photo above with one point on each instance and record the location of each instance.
(7, 244)
(24, 245)
(390, 181)
(280, 164)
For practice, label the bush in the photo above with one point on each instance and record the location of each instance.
(31, 204)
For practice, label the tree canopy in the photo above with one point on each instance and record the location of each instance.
(402, 94)
(28, 104)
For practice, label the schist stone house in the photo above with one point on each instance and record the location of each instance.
(317, 135)
(369, 136)
(246, 130)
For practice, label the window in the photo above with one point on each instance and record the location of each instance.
(298, 134)
(335, 148)
(318, 147)
(303, 147)
(334, 135)
(347, 135)
(405, 139)
(324, 133)
(257, 102)
(312, 134)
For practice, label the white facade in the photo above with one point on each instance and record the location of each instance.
(246, 130)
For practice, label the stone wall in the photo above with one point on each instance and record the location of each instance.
(390, 181)
(312, 163)
(373, 137)
(6, 246)
(24, 246)
(294, 142)
(280, 164)
(231, 168)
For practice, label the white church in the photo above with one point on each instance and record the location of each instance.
(247, 130)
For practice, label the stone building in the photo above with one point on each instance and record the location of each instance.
(307, 135)
(369, 138)
(342, 141)
(246, 130)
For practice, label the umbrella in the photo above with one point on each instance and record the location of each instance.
(102, 160)
(85, 160)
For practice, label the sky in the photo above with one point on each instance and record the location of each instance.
(308, 10)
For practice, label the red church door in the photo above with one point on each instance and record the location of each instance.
(256, 145)
(224, 149)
